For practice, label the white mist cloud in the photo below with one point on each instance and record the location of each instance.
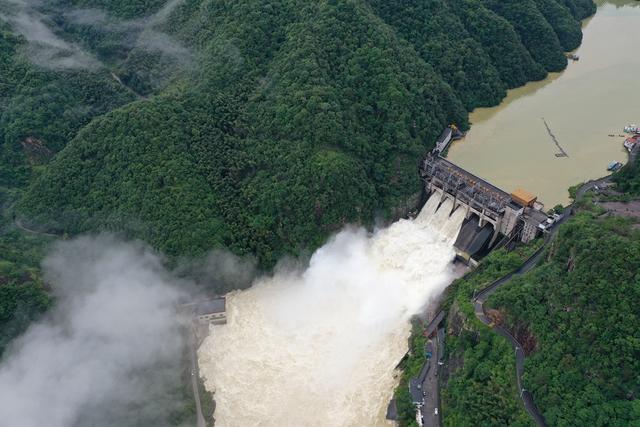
(165, 12)
(317, 346)
(45, 49)
(113, 322)
(143, 33)
(49, 50)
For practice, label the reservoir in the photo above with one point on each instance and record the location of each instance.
(510, 145)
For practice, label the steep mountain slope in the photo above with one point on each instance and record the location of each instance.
(534, 30)
(441, 39)
(42, 109)
(272, 123)
(577, 314)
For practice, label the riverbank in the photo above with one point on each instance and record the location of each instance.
(464, 332)
(511, 146)
(472, 349)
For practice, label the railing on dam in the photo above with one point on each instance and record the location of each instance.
(464, 186)
(498, 213)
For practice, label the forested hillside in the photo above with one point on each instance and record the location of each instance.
(576, 317)
(260, 126)
(579, 313)
(628, 179)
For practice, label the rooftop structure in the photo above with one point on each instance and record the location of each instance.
(392, 410)
(532, 219)
(614, 166)
(444, 139)
(441, 336)
(212, 311)
(431, 327)
(415, 390)
(523, 197)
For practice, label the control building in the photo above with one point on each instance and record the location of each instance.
(491, 214)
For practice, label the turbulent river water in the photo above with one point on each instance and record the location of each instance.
(318, 346)
(596, 96)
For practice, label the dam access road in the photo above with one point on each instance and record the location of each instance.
(480, 299)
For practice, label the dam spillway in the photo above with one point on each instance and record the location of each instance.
(490, 212)
(317, 346)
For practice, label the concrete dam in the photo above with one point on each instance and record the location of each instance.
(493, 217)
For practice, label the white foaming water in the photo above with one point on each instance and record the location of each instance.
(318, 347)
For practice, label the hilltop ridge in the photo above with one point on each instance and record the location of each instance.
(260, 126)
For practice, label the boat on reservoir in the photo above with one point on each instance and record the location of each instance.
(614, 166)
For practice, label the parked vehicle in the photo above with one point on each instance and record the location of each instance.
(614, 166)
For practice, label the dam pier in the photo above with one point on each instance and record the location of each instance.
(493, 217)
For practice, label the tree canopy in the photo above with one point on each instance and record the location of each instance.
(260, 126)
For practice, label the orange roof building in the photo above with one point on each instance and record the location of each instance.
(523, 197)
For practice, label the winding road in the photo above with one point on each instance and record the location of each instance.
(480, 299)
(480, 313)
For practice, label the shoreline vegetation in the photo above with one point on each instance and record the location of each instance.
(266, 127)
(269, 126)
(560, 311)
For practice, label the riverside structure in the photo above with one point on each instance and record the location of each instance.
(490, 212)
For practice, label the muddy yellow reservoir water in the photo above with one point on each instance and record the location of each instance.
(510, 146)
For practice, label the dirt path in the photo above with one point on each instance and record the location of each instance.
(624, 209)
(19, 225)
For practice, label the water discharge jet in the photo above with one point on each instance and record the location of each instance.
(318, 347)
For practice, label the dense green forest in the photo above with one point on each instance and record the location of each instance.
(478, 385)
(24, 296)
(576, 316)
(628, 179)
(579, 312)
(260, 126)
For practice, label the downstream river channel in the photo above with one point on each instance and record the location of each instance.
(597, 96)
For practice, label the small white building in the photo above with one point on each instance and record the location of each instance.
(212, 312)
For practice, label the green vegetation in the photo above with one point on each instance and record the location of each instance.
(567, 28)
(483, 390)
(121, 8)
(41, 110)
(23, 294)
(535, 31)
(411, 367)
(480, 386)
(208, 403)
(575, 315)
(581, 308)
(268, 125)
(441, 39)
(628, 178)
(257, 126)
(22, 300)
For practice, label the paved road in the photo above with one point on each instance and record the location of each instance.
(530, 263)
(526, 397)
(194, 379)
(431, 389)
